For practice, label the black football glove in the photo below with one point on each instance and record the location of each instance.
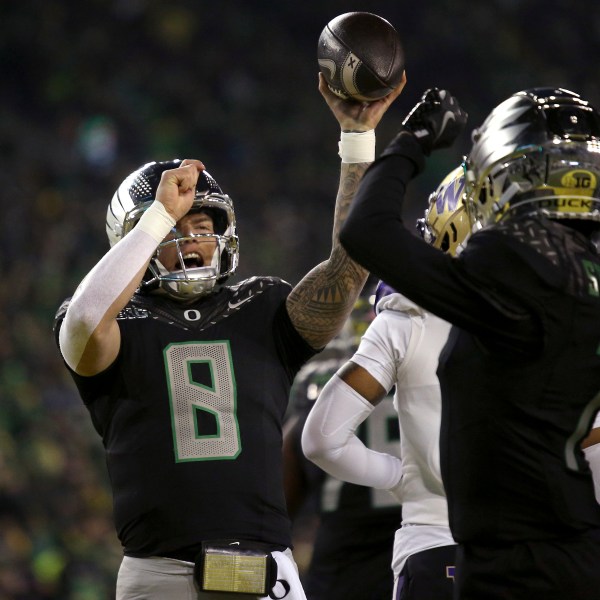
(436, 120)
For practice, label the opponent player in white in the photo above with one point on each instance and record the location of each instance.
(400, 348)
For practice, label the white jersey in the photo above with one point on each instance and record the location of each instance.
(401, 348)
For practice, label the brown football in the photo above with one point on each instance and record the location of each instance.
(360, 56)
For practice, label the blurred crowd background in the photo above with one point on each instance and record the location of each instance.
(93, 89)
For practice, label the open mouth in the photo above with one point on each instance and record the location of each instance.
(191, 260)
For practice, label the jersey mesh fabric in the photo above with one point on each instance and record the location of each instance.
(190, 415)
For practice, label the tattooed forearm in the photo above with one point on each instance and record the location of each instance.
(320, 304)
(350, 177)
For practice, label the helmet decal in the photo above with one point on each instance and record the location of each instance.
(446, 224)
(583, 181)
(451, 192)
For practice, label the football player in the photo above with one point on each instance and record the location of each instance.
(520, 373)
(187, 379)
(351, 551)
(400, 351)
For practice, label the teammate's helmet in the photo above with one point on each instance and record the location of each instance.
(446, 224)
(537, 152)
(136, 194)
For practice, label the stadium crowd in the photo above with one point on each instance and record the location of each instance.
(90, 91)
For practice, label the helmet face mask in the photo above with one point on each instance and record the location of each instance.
(185, 278)
(446, 224)
(537, 152)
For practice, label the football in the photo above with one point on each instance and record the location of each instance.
(360, 56)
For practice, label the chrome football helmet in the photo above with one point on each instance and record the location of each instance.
(189, 279)
(537, 152)
(446, 224)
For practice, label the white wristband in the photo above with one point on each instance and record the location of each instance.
(357, 146)
(156, 221)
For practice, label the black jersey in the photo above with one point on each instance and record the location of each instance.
(521, 371)
(190, 416)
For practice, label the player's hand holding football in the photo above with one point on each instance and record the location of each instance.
(177, 187)
(358, 116)
(436, 120)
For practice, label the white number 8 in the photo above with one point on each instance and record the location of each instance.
(191, 401)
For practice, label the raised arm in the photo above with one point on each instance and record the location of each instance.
(320, 304)
(89, 336)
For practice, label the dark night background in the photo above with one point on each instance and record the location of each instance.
(93, 89)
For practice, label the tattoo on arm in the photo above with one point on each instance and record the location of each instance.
(350, 177)
(320, 304)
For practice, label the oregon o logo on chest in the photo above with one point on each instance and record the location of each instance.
(192, 315)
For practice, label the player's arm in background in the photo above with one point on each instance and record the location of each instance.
(591, 449)
(329, 438)
(319, 305)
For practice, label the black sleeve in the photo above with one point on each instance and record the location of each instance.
(456, 289)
